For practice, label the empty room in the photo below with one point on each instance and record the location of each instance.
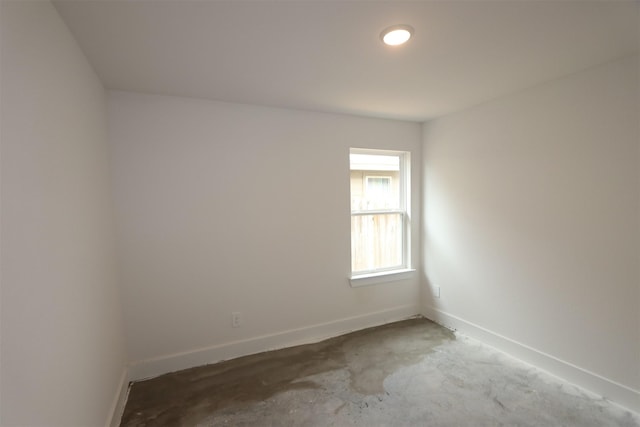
(319, 213)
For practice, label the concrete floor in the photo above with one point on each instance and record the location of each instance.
(409, 373)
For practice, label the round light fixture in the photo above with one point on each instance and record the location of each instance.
(396, 35)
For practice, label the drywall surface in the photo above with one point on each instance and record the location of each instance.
(227, 208)
(62, 337)
(531, 221)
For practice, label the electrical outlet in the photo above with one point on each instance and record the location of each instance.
(236, 319)
(436, 292)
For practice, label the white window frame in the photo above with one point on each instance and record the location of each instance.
(403, 271)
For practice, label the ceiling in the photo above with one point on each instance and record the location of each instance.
(327, 55)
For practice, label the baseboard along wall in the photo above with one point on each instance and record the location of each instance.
(306, 335)
(617, 393)
(119, 400)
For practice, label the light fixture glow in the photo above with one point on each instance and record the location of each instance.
(396, 35)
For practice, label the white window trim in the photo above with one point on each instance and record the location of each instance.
(403, 272)
(381, 277)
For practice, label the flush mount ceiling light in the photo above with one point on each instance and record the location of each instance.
(396, 35)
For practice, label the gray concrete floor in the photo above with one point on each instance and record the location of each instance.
(409, 373)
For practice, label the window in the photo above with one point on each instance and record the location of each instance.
(379, 212)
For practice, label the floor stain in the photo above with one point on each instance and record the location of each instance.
(410, 373)
(370, 361)
(369, 356)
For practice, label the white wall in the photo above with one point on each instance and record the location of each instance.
(225, 207)
(63, 350)
(531, 226)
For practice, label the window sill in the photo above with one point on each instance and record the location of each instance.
(381, 277)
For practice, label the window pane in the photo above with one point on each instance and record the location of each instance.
(376, 241)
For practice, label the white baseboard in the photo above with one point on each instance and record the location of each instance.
(617, 393)
(119, 400)
(174, 362)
